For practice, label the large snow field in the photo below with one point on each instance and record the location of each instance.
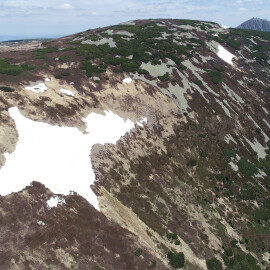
(58, 157)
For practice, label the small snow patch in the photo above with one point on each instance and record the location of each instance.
(224, 26)
(41, 223)
(47, 80)
(55, 201)
(127, 80)
(67, 92)
(141, 122)
(225, 55)
(38, 88)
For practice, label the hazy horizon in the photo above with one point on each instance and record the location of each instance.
(50, 19)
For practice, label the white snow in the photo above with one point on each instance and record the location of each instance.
(224, 26)
(41, 223)
(58, 157)
(54, 201)
(140, 123)
(38, 88)
(67, 92)
(127, 80)
(225, 55)
(47, 80)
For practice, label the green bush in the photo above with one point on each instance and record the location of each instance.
(9, 69)
(91, 69)
(177, 260)
(262, 214)
(64, 58)
(47, 50)
(214, 264)
(228, 252)
(192, 163)
(258, 131)
(248, 194)
(172, 236)
(203, 154)
(202, 135)
(246, 168)
(216, 77)
(154, 264)
(164, 78)
(6, 89)
(198, 82)
(177, 242)
(234, 243)
(138, 252)
(219, 68)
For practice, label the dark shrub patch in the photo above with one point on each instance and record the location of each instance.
(203, 154)
(138, 252)
(216, 77)
(198, 82)
(164, 78)
(177, 260)
(247, 168)
(172, 236)
(219, 68)
(258, 131)
(6, 89)
(192, 163)
(214, 264)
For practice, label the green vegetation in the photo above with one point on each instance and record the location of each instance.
(172, 236)
(214, 264)
(91, 69)
(216, 76)
(219, 68)
(192, 163)
(138, 252)
(64, 58)
(6, 89)
(240, 261)
(198, 82)
(246, 168)
(203, 154)
(164, 78)
(154, 264)
(9, 69)
(177, 260)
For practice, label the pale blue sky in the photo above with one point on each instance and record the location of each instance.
(61, 17)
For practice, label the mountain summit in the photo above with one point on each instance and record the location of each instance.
(256, 24)
(138, 146)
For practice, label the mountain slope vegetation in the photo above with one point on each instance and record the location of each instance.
(186, 189)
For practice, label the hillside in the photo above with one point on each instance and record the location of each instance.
(170, 120)
(256, 24)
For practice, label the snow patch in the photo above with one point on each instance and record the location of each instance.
(127, 80)
(141, 122)
(58, 157)
(66, 92)
(38, 88)
(225, 27)
(41, 223)
(54, 201)
(225, 55)
(47, 80)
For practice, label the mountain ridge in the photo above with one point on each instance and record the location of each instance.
(256, 24)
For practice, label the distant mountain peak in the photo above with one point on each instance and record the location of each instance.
(256, 24)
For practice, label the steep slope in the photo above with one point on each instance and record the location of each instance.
(187, 187)
(256, 24)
